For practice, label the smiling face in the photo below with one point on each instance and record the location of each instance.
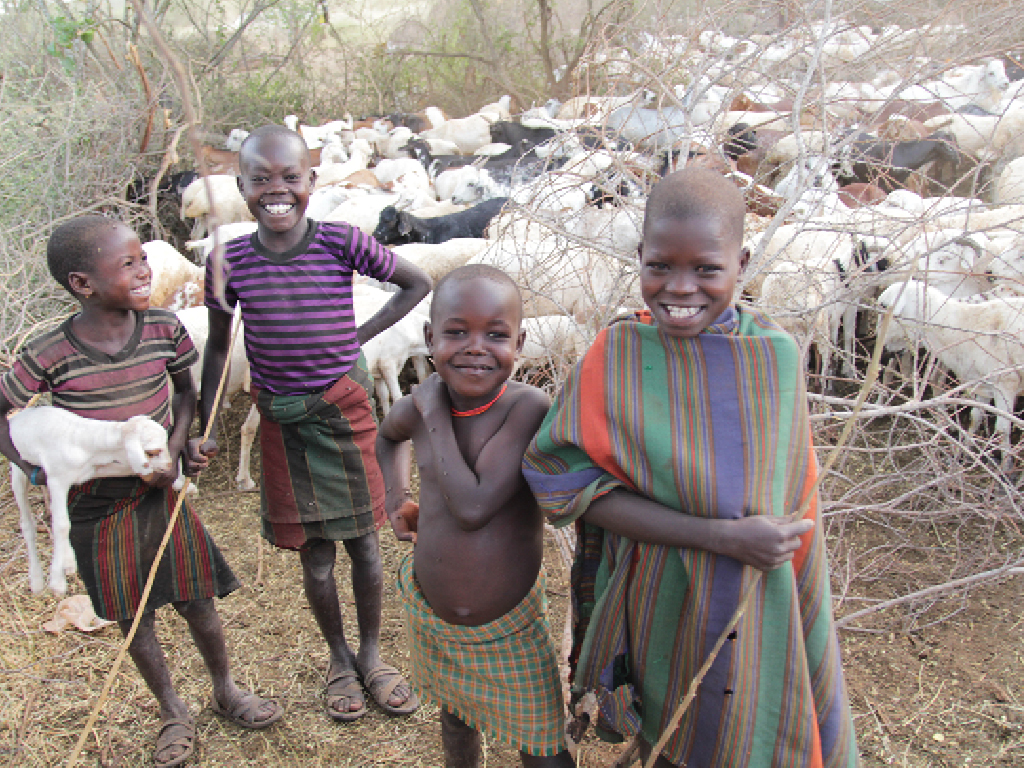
(474, 337)
(276, 181)
(688, 272)
(120, 276)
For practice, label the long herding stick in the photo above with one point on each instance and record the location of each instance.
(112, 675)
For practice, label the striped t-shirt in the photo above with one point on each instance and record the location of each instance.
(300, 329)
(93, 384)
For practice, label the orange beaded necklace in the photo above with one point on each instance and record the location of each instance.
(480, 409)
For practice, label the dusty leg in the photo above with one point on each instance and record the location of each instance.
(208, 633)
(367, 586)
(461, 743)
(322, 593)
(149, 658)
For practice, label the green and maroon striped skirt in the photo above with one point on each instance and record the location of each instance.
(321, 479)
(117, 524)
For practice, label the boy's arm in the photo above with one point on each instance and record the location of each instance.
(7, 447)
(762, 541)
(413, 284)
(183, 407)
(475, 494)
(395, 459)
(214, 359)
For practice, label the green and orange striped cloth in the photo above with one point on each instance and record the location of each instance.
(713, 426)
(501, 678)
(321, 479)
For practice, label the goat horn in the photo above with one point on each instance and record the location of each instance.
(979, 252)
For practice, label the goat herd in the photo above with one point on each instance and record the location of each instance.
(888, 192)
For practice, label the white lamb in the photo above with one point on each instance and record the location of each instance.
(387, 352)
(980, 342)
(71, 450)
(176, 282)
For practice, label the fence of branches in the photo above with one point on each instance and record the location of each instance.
(88, 105)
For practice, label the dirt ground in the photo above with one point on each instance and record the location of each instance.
(947, 694)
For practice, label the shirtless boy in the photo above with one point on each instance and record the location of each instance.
(480, 642)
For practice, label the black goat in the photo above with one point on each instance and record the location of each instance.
(399, 227)
(519, 136)
(889, 164)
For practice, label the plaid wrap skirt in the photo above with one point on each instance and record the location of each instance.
(501, 678)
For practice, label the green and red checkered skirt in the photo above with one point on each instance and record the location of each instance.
(320, 474)
(501, 678)
(117, 524)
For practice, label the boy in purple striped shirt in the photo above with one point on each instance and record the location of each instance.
(321, 482)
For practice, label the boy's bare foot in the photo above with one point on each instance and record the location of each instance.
(175, 742)
(345, 700)
(390, 689)
(248, 710)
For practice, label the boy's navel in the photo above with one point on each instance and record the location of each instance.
(462, 613)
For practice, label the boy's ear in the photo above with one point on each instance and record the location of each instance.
(241, 185)
(312, 178)
(428, 335)
(521, 340)
(744, 258)
(79, 282)
(640, 251)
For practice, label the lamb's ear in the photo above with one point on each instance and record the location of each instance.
(133, 450)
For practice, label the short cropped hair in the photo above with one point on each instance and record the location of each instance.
(74, 245)
(474, 272)
(268, 132)
(697, 193)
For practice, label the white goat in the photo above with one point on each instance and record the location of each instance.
(71, 450)
(227, 203)
(196, 322)
(980, 342)
(176, 282)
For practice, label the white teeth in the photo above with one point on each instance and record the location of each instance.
(682, 313)
(277, 209)
(144, 291)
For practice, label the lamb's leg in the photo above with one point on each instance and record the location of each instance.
(19, 484)
(1005, 405)
(421, 366)
(391, 378)
(244, 477)
(381, 388)
(63, 557)
(179, 483)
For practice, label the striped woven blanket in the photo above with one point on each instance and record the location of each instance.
(714, 426)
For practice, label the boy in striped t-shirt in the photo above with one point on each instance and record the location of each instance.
(113, 360)
(321, 483)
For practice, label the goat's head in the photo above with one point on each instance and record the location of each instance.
(145, 445)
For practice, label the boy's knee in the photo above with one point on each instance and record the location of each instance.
(318, 560)
(364, 549)
(196, 610)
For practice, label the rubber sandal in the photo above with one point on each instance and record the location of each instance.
(243, 712)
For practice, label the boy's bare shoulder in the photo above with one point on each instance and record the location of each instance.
(528, 399)
(402, 420)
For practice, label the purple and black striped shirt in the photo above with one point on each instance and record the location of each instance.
(300, 328)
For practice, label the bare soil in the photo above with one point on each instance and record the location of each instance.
(935, 687)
